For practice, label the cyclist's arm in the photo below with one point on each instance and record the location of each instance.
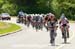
(60, 21)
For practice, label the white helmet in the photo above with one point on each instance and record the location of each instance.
(51, 15)
(62, 16)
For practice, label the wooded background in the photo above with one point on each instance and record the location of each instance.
(39, 6)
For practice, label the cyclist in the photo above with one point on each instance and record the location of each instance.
(37, 22)
(46, 20)
(64, 22)
(52, 26)
(20, 16)
(28, 20)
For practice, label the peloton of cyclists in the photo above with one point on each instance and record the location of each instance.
(48, 21)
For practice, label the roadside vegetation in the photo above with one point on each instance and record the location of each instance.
(6, 28)
(39, 6)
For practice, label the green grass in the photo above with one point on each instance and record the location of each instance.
(11, 28)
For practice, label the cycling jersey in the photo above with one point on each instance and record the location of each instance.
(63, 21)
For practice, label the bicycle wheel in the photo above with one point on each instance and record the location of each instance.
(65, 35)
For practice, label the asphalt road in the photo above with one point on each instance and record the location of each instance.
(28, 38)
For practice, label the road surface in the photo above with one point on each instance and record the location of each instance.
(28, 38)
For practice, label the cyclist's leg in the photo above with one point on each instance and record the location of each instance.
(28, 24)
(25, 22)
(36, 26)
(52, 37)
(55, 34)
(41, 26)
(62, 30)
(22, 20)
(47, 27)
(33, 24)
(67, 31)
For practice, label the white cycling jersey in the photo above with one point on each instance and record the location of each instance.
(64, 21)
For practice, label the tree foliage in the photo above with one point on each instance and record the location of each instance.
(39, 6)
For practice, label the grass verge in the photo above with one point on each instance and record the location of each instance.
(11, 28)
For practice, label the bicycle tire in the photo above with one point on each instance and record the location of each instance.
(65, 35)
